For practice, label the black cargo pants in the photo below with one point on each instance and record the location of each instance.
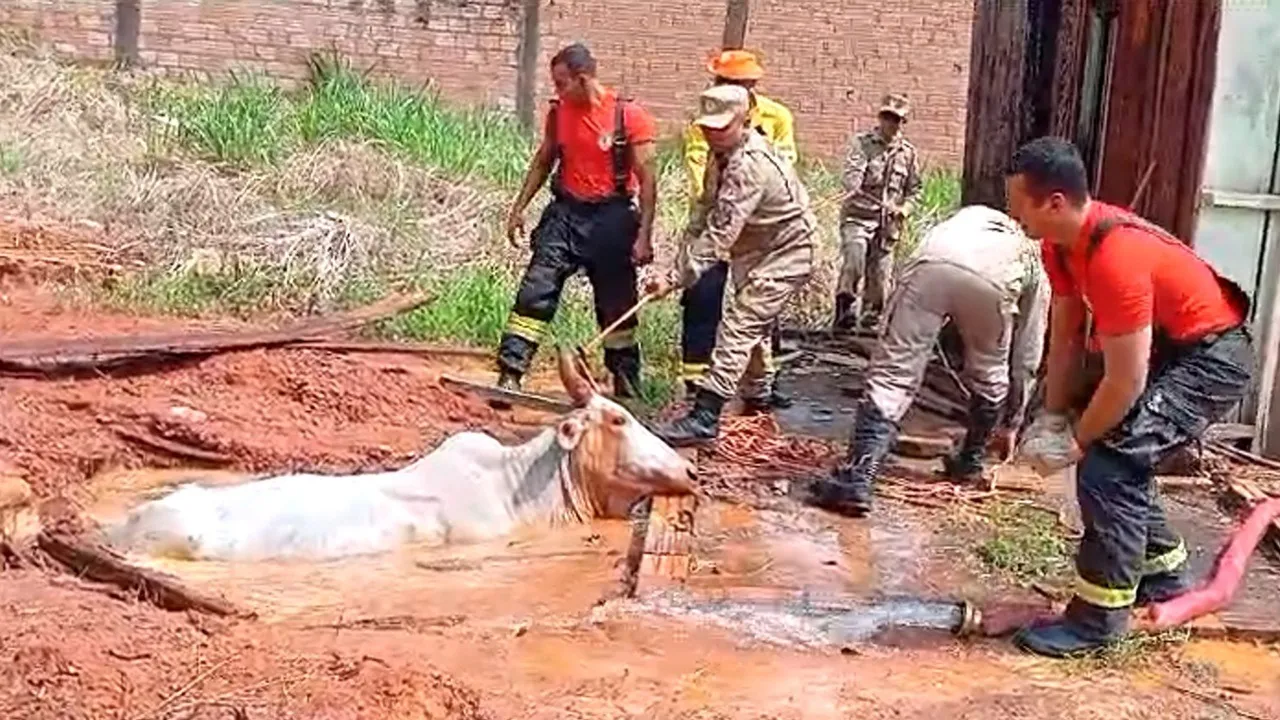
(700, 319)
(571, 235)
(1126, 534)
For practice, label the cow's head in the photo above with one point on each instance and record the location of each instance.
(615, 460)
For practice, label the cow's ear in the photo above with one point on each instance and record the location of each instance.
(569, 432)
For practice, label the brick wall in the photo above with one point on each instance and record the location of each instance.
(830, 62)
(82, 28)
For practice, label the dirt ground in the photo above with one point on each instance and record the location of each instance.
(510, 630)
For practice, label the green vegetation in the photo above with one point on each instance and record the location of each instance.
(248, 120)
(1024, 542)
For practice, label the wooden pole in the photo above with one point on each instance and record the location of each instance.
(735, 24)
(527, 67)
(128, 22)
(998, 60)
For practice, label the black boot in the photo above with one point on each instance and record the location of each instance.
(844, 311)
(1155, 589)
(965, 465)
(701, 425)
(775, 400)
(1083, 629)
(626, 385)
(849, 489)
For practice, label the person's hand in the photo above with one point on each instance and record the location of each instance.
(515, 227)
(1050, 445)
(658, 286)
(642, 252)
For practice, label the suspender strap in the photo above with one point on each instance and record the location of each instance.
(619, 149)
(553, 137)
(621, 156)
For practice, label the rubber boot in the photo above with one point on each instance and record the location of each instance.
(1082, 630)
(849, 489)
(965, 465)
(775, 400)
(1155, 589)
(701, 425)
(845, 318)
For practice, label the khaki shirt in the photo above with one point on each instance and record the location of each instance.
(768, 117)
(755, 215)
(878, 172)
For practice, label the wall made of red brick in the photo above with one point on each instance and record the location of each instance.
(80, 28)
(830, 62)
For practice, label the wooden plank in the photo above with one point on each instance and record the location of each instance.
(537, 402)
(668, 541)
(61, 355)
(96, 562)
(1070, 48)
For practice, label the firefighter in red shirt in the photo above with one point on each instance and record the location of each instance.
(599, 220)
(1176, 355)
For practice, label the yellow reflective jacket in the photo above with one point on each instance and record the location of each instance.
(770, 117)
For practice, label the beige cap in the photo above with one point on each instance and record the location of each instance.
(895, 104)
(720, 105)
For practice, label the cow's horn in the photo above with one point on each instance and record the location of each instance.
(578, 386)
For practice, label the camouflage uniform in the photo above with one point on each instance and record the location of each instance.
(879, 175)
(755, 216)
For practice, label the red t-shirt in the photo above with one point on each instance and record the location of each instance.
(585, 135)
(1137, 278)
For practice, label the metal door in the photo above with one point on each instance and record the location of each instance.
(1239, 222)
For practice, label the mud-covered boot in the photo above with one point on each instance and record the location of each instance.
(1082, 630)
(849, 489)
(845, 317)
(701, 425)
(774, 400)
(1154, 589)
(965, 465)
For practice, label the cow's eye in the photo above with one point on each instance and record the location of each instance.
(618, 420)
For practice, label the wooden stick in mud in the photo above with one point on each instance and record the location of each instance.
(54, 356)
(172, 447)
(96, 562)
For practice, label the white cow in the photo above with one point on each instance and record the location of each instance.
(595, 462)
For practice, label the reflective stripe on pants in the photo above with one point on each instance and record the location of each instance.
(1126, 533)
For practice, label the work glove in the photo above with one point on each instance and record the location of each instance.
(1049, 445)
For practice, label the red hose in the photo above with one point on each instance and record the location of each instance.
(1228, 572)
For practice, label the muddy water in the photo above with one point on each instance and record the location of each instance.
(806, 620)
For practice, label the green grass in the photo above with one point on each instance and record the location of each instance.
(1025, 543)
(471, 306)
(244, 122)
(10, 160)
(248, 121)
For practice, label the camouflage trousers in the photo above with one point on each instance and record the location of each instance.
(741, 359)
(866, 263)
(927, 295)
